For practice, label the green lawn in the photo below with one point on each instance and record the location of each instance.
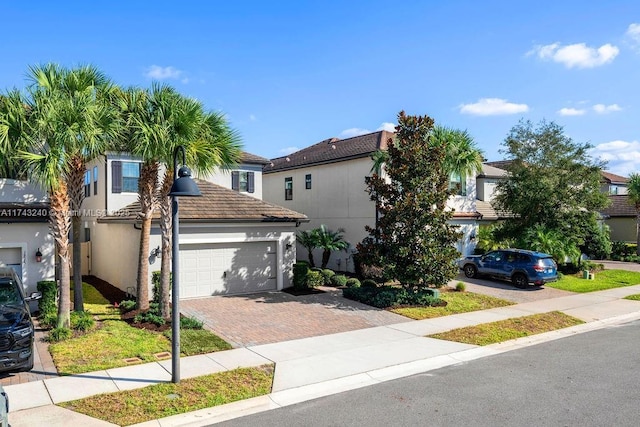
(504, 330)
(163, 400)
(457, 302)
(606, 279)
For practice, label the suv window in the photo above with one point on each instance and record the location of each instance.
(9, 292)
(547, 262)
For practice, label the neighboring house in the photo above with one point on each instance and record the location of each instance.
(230, 241)
(25, 241)
(620, 216)
(326, 182)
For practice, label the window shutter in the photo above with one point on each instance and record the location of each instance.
(235, 180)
(250, 182)
(116, 176)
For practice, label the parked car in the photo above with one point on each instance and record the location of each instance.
(4, 408)
(519, 266)
(16, 326)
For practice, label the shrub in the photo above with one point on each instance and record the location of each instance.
(47, 304)
(59, 334)
(190, 323)
(81, 321)
(314, 278)
(300, 270)
(327, 274)
(48, 319)
(127, 305)
(389, 296)
(353, 283)
(369, 283)
(461, 287)
(149, 317)
(339, 280)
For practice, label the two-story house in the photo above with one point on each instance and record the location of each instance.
(230, 240)
(326, 182)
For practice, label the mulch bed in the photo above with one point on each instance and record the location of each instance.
(305, 291)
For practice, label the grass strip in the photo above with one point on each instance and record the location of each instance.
(504, 330)
(457, 302)
(166, 399)
(606, 279)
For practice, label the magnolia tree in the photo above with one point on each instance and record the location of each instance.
(412, 240)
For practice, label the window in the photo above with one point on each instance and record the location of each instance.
(307, 181)
(243, 181)
(613, 189)
(124, 177)
(288, 188)
(87, 183)
(457, 183)
(95, 180)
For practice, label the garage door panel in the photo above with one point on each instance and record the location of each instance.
(221, 269)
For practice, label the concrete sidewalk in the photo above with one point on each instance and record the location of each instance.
(313, 367)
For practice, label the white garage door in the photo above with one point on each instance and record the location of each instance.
(11, 257)
(227, 268)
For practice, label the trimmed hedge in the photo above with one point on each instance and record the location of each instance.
(314, 279)
(339, 280)
(327, 274)
(300, 270)
(353, 283)
(389, 296)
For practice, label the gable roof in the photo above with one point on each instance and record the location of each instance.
(253, 159)
(217, 204)
(613, 178)
(620, 206)
(489, 171)
(330, 151)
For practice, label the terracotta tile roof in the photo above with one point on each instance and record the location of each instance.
(620, 207)
(613, 178)
(331, 150)
(488, 212)
(253, 159)
(218, 204)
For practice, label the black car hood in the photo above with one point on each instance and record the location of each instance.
(11, 314)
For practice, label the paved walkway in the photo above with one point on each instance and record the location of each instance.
(313, 367)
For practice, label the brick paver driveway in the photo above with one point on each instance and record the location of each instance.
(268, 317)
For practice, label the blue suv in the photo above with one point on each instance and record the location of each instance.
(519, 266)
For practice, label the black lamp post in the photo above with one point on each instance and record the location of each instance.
(183, 186)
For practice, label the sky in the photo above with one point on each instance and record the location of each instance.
(289, 74)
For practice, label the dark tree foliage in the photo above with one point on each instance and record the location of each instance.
(412, 239)
(553, 183)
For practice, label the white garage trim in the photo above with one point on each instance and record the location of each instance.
(23, 259)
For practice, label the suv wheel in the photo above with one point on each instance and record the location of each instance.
(520, 280)
(470, 270)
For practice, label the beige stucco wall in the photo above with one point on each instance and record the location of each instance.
(337, 198)
(223, 178)
(622, 229)
(115, 248)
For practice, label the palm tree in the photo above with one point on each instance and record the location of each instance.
(13, 134)
(209, 143)
(633, 190)
(462, 156)
(330, 241)
(69, 125)
(309, 240)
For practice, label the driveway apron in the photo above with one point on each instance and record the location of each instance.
(269, 317)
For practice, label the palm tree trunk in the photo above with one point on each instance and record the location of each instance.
(166, 230)
(60, 224)
(147, 198)
(142, 293)
(75, 189)
(326, 254)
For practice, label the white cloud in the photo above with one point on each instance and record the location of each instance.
(389, 127)
(493, 107)
(288, 150)
(164, 73)
(622, 157)
(571, 112)
(604, 109)
(351, 132)
(577, 55)
(633, 35)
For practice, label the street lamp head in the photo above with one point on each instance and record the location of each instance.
(184, 185)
